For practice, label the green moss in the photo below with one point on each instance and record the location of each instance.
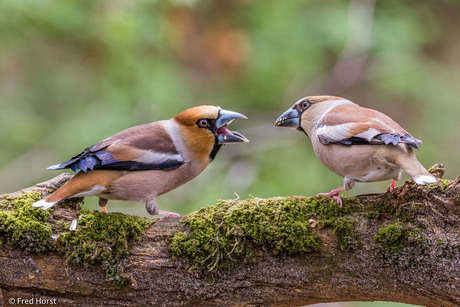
(23, 226)
(346, 234)
(99, 239)
(224, 235)
(393, 238)
(372, 214)
(102, 239)
(437, 170)
(444, 182)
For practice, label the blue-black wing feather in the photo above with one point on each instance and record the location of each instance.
(89, 159)
(384, 138)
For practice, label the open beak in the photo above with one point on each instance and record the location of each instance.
(289, 119)
(224, 135)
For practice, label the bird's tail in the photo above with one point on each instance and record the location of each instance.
(43, 204)
(54, 198)
(73, 187)
(80, 185)
(415, 169)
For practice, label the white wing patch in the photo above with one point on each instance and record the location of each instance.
(368, 134)
(334, 133)
(154, 157)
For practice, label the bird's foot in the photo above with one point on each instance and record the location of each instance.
(391, 187)
(168, 214)
(103, 203)
(335, 194)
(338, 200)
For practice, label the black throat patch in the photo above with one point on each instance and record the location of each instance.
(215, 150)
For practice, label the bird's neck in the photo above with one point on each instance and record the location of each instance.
(192, 146)
(214, 151)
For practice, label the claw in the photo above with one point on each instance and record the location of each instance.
(338, 199)
(168, 214)
(335, 194)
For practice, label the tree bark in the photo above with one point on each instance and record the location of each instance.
(426, 274)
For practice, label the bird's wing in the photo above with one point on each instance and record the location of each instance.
(144, 147)
(353, 125)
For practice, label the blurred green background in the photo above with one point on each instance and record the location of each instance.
(75, 72)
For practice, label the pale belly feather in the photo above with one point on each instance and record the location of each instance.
(140, 185)
(363, 163)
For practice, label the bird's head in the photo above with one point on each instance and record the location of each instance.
(205, 128)
(306, 112)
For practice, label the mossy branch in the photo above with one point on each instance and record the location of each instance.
(402, 246)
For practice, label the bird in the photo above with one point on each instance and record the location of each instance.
(357, 143)
(145, 161)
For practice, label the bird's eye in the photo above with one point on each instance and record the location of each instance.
(203, 123)
(306, 104)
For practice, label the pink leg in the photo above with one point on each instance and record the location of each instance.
(391, 187)
(103, 203)
(168, 214)
(335, 194)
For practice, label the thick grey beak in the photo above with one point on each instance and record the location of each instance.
(226, 117)
(224, 135)
(289, 119)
